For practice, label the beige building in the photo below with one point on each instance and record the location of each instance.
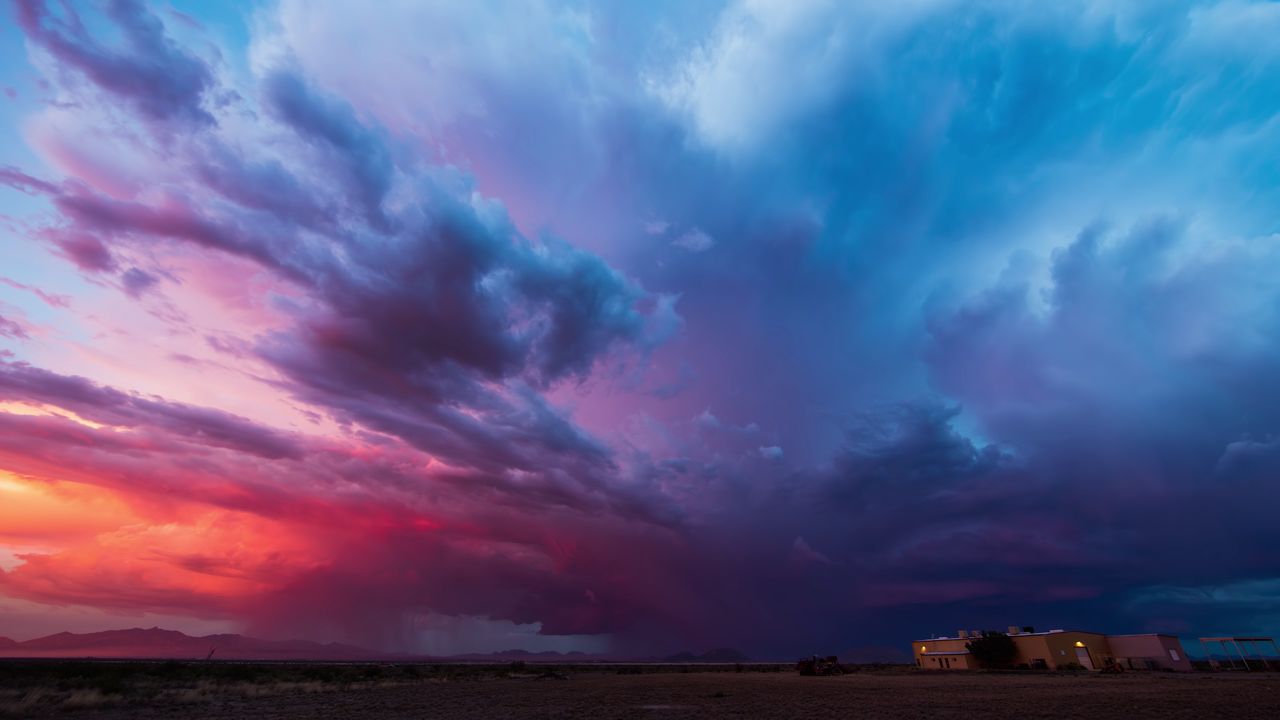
(1060, 648)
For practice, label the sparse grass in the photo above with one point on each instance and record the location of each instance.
(26, 701)
(88, 698)
(36, 686)
(320, 692)
(41, 686)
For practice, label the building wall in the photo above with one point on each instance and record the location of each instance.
(943, 661)
(1055, 649)
(1150, 651)
(921, 650)
(1062, 649)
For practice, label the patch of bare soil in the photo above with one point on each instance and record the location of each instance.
(604, 694)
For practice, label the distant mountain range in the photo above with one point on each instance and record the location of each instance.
(157, 643)
(171, 644)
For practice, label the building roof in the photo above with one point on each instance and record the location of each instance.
(1017, 635)
(1090, 632)
(951, 652)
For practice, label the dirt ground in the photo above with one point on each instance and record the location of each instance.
(602, 694)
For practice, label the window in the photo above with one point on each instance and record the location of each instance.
(1173, 655)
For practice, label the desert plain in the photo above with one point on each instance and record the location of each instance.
(281, 690)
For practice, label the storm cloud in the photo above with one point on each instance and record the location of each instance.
(782, 326)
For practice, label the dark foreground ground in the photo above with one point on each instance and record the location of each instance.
(230, 690)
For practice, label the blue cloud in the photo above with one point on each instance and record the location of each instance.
(998, 276)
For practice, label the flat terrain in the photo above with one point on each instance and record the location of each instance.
(191, 690)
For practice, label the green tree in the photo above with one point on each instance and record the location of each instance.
(993, 649)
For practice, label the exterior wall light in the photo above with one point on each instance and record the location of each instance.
(1079, 644)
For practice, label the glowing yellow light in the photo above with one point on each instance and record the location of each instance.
(923, 648)
(1079, 644)
(45, 410)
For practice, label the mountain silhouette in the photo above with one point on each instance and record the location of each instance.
(160, 644)
(170, 644)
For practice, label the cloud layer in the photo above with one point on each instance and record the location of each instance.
(786, 326)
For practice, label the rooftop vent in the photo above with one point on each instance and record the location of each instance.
(1013, 630)
(962, 633)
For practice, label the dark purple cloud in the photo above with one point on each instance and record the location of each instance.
(23, 182)
(19, 381)
(137, 281)
(150, 71)
(12, 329)
(84, 250)
(906, 391)
(412, 315)
(358, 154)
(50, 299)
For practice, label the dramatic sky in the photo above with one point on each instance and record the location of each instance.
(639, 326)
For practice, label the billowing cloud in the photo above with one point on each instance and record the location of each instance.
(152, 72)
(783, 326)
